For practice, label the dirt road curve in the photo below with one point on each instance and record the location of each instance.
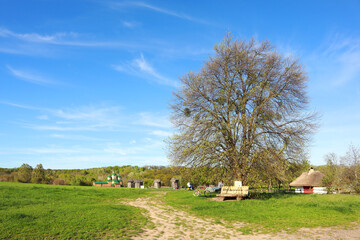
(170, 223)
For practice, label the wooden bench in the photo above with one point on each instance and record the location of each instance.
(233, 192)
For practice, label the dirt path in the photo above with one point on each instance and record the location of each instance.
(170, 223)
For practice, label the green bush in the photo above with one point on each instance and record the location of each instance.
(59, 181)
(356, 187)
(259, 195)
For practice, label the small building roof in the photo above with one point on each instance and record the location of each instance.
(308, 179)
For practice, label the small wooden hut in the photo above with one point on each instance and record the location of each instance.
(175, 183)
(130, 183)
(139, 183)
(157, 183)
(308, 182)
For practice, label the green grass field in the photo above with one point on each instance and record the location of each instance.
(280, 212)
(29, 211)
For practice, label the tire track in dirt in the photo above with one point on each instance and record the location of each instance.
(170, 223)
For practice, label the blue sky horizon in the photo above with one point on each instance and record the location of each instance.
(88, 83)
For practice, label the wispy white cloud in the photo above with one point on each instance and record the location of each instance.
(118, 151)
(89, 113)
(128, 150)
(124, 150)
(35, 37)
(346, 51)
(153, 120)
(154, 8)
(27, 49)
(109, 153)
(41, 150)
(161, 133)
(43, 44)
(19, 105)
(43, 117)
(337, 60)
(31, 77)
(55, 127)
(94, 118)
(76, 137)
(12, 50)
(49, 150)
(83, 118)
(146, 160)
(82, 161)
(129, 24)
(57, 136)
(140, 67)
(87, 161)
(72, 134)
(64, 39)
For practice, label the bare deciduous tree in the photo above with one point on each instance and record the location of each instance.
(245, 100)
(352, 162)
(332, 178)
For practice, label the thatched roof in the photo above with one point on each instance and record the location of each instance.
(308, 179)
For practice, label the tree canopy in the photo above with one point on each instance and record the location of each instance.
(38, 174)
(24, 173)
(246, 108)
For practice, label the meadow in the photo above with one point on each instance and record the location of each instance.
(33, 211)
(274, 211)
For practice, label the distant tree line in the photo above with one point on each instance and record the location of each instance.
(342, 174)
(275, 177)
(82, 177)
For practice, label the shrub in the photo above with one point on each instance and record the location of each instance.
(5, 177)
(59, 181)
(24, 173)
(259, 195)
(356, 187)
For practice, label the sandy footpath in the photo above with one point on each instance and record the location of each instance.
(170, 223)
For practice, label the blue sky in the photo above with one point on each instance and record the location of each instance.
(88, 83)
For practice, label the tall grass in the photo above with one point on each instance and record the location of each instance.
(278, 212)
(29, 211)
